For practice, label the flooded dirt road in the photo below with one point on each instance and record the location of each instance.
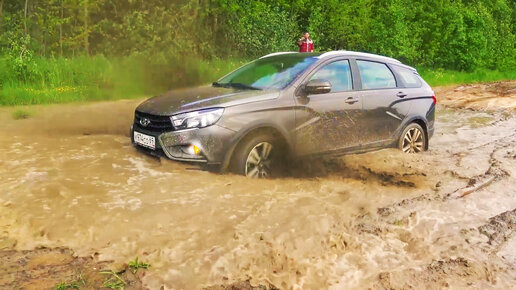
(70, 178)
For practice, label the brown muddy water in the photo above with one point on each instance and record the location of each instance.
(69, 178)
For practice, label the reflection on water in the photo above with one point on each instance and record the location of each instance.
(70, 177)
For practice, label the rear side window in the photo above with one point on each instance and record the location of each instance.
(338, 73)
(408, 76)
(375, 75)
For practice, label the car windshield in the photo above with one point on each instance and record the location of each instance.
(274, 72)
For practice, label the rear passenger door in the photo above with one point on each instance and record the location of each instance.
(382, 102)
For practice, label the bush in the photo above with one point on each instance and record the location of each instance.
(459, 35)
(256, 28)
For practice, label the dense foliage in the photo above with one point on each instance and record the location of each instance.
(55, 45)
(456, 34)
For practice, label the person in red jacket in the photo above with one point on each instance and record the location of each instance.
(306, 44)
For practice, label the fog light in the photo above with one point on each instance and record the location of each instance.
(193, 150)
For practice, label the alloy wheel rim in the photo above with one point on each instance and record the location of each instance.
(258, 163)
(413, 141)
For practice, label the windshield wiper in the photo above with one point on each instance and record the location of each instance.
(235, 85)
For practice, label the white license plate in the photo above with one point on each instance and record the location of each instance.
(145, 140)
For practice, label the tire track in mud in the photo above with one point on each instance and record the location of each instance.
(468, 272)
(494, 173)
(476, 270)
(500, 228)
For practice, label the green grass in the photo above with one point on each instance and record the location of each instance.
(442, 77)
(135, 265)
(71, 285)
(64, 286)
(21, 114)
(80, 281)
(480, 121)
(62, 80)
(113, 280)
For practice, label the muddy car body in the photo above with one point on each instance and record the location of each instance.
(290, 104)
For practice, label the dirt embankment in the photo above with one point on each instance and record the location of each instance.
(75, 199)
(480, 97)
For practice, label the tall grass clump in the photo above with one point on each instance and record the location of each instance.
(20, 114)
(60, 80)
(51, 80)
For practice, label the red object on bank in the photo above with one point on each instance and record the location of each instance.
(307, 45)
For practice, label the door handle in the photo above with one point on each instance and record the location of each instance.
(401, 95)
(351, 100)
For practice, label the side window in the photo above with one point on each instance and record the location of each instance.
(338, 73)
(408, 76)
(375, 75)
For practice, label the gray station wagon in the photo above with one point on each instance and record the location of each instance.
(289, 105)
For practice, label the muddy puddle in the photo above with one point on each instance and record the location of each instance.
(70, 179)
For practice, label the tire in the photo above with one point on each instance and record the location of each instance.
(259, 156)
(413, 139)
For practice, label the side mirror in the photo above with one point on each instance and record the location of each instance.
(315, 87)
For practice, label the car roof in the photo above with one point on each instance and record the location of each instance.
(358, 54)
(322, 55)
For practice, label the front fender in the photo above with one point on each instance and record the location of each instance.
(256, 126)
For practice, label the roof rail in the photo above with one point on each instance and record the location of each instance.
(277, 53)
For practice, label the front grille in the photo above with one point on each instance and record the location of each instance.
(157, 123)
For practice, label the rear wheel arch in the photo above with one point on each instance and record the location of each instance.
(423, 125)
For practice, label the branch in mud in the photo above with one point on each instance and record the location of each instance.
(469, 190)
(493, 172)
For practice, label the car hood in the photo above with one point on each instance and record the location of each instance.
(185, 100)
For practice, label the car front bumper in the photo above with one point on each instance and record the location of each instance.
(213, 143)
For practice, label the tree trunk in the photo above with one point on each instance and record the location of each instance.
(61, 28)
(25, 16)
(86, 29)
(1, 14)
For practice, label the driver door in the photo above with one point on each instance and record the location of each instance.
(326, 122)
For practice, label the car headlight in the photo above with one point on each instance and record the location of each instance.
(196, 119)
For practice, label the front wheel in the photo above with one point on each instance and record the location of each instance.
(258, 157)
(413, 139)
